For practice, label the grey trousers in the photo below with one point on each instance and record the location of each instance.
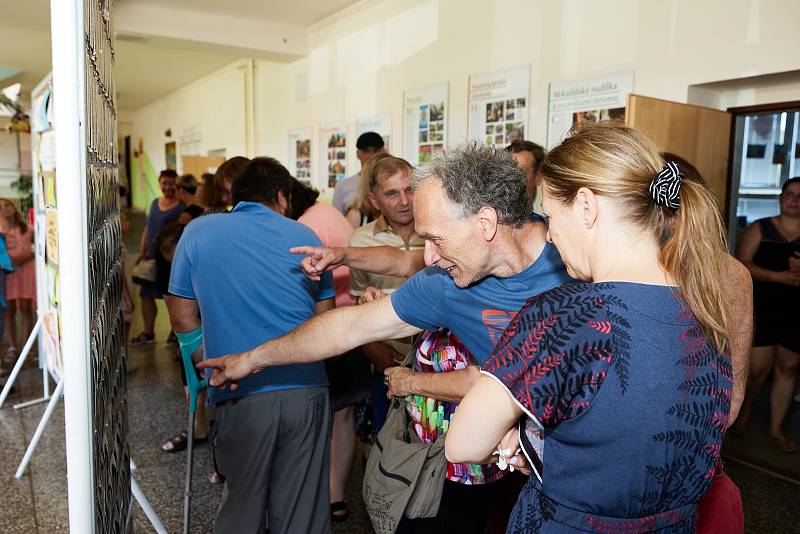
(272, 449)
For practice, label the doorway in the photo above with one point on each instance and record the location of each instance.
(765, 152)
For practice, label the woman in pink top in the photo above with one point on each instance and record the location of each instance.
(332, 229)
(21, 284)
(349, 374)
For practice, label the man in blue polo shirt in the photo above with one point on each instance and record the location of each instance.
(271, 433)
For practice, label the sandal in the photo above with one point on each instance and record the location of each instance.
(10, 356)
(216, 478)
(785, 444)
(179, 442)
(143, 339)
(339, 512)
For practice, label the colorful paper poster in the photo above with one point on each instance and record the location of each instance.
(300, 154)
(498, 105)
(424, 122)
(50, 190)
(46, 152)
(40, 229)
(51, 246)
(40, 120)
(333, 153)
(52, 343)
(380, 124)
(52, 285)
(590, 99)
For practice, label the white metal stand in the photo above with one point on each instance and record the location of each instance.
(135, 489)
(18, 366)
(48, 412)
(145, 504)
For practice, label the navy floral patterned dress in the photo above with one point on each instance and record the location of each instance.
(626, 405)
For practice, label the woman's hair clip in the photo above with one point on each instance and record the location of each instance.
(665, 189)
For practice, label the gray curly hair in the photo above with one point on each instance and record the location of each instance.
(475, 175)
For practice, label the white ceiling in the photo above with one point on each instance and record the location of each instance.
(141, 80)
(25, 15)
(296, 12)
(146, 70)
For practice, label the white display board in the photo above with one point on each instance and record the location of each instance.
(333, 153)
(299, 159)
(424, 122)
(591, 99)
(498, 105)
(380, 124)
(45, 218)
(90, 267)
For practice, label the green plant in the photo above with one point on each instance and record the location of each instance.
(24, 188)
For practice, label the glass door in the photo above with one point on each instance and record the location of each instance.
(766, 154)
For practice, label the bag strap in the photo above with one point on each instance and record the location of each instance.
(416, 341)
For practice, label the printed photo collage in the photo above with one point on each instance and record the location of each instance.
(303, 160)
(431, 130)
(597, 115)
(505, 121)
(337, 158)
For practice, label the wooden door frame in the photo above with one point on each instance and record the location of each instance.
(766, 108)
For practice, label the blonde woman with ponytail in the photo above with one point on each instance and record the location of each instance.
(614, 391)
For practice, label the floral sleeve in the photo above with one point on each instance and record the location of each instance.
(555, 355)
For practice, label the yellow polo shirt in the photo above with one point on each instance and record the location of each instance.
(375, 234)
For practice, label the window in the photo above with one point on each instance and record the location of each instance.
(767, 153)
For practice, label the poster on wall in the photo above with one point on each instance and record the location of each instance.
(498, 105)
(333, 153)
(300, 154)
(590, 99)
(380, 124)
(424, 123)
(171, 155)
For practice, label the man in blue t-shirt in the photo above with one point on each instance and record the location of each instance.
(486, 259)
(271, 433)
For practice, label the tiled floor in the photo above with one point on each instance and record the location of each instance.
(37, 503)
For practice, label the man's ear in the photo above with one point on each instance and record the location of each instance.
(487, 218)
(374, 201)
